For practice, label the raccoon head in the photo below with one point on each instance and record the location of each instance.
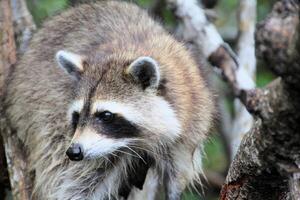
(117, 106)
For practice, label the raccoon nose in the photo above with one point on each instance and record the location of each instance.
(75, 152)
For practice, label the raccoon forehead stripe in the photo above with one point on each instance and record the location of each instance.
(76, 106)
(156, 116)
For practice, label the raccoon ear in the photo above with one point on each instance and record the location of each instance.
(144, 70)
(72, 63)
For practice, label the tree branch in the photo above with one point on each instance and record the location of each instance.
(15, 155)
(268, 157)
(24, 25)
(204, 34)
(243, 121)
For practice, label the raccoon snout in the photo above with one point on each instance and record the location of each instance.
(75, 152)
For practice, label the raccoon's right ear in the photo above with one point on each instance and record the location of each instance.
(145, 71)
(72, 63)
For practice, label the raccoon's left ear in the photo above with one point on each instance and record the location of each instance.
(72, 63)
(145, 71)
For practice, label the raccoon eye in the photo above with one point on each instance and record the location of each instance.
(105, 116)
(75, 119)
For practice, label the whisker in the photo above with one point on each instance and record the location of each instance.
(126, 153)
(115, 154)
(136, 154)
(147, 150)
(108, 161)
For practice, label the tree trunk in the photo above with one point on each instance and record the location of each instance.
(267, 163)
(20, 181)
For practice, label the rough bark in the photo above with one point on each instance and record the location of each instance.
(267, 163)
(15, 155)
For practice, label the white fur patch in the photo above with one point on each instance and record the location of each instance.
(76, 106)
(183, 160)
(96, 145)
(156, 115)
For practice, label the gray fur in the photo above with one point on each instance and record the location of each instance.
(110, 36)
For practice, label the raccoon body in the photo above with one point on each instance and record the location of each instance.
(108, 85)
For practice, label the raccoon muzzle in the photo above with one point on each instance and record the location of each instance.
(75, 152)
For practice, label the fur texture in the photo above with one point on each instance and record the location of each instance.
(172, 118)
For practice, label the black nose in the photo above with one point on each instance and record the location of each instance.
(75, 152)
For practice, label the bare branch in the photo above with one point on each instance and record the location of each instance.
(243, 121)
(24, 26)
(15, 155)
(204, 34)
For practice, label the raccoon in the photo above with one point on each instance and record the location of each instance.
(106, 101)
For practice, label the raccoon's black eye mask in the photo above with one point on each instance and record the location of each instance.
(109, 124)
(114, 125)
(105, 116)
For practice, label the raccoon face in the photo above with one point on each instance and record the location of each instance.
(117, 106)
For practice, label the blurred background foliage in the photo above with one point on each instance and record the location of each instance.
(216, 160)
